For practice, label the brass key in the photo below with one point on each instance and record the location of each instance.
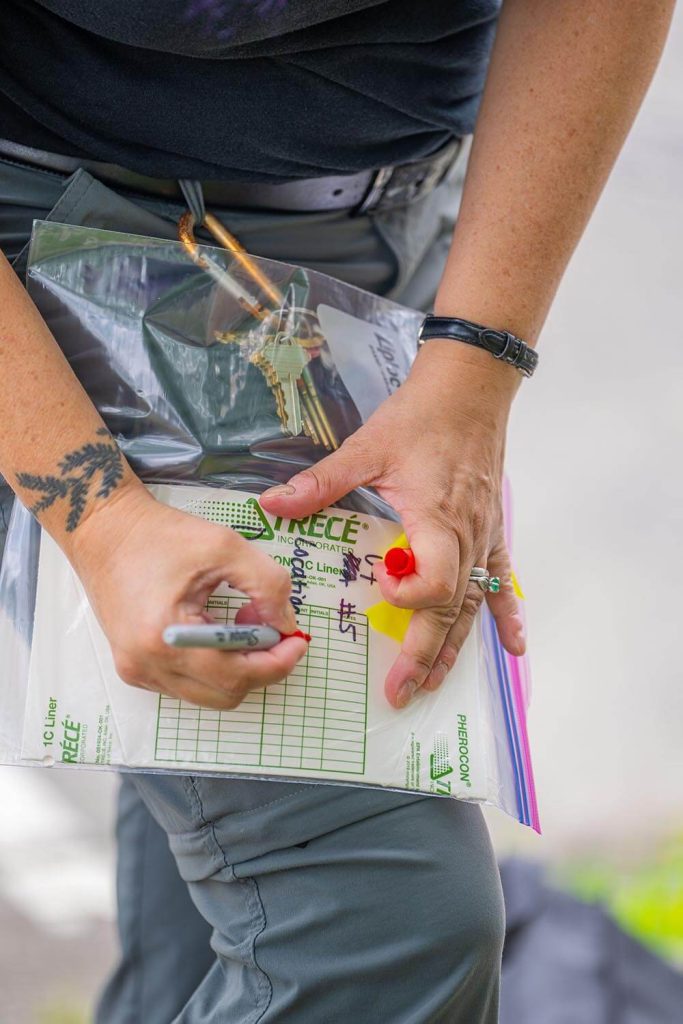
(283, 362)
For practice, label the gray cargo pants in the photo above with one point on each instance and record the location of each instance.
(258, 901)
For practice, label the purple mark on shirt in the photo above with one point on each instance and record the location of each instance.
(211, 9)
(214, 10)
(266, 7)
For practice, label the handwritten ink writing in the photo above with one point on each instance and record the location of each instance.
(370, 559)
(386, 350)
(351, 564)
(246, 528)
(298, 573)
(345, 611)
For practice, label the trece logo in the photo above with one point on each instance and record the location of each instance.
(245, 517)
(439, 762)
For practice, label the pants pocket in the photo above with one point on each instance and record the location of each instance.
(419, 236)
(27, 195)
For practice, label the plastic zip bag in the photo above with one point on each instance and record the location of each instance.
(171, 350)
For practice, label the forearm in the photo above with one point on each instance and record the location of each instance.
(564, 85)
(47, 418)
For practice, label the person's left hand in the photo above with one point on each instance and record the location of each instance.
(434, 450)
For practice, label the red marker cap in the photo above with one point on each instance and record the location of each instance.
(399, 561)
(298, 632)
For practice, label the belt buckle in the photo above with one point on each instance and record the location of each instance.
(400, 184)
(378, 183)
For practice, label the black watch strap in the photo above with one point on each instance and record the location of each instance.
(500, 344)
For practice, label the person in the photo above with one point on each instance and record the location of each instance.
(253, 900)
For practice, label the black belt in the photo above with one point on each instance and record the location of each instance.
(378, 189)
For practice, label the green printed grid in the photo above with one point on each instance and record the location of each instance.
(315, 719)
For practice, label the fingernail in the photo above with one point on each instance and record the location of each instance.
(405, 692)
(289, 620)
(300, 633)
(276, 492)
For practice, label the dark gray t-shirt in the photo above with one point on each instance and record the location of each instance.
(264, 90)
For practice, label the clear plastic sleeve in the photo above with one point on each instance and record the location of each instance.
(176, 345)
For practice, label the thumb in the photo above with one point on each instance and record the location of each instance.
(323, 484)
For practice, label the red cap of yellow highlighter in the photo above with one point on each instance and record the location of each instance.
(399, 561)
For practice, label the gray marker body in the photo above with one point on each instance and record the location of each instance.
(223, 638)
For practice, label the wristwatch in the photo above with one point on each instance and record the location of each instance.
(501, 344)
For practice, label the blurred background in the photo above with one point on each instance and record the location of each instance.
(595, 461)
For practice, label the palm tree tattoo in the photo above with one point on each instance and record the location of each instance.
(78, 472)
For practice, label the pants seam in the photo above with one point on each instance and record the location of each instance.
(254, 906)
(69, 198)
(209, 826)
(265, 984)
(134, 952)
(35, 169)
(249, 810)
(74, 194)
(139, 986)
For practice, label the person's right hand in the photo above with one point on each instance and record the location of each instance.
(145, 565)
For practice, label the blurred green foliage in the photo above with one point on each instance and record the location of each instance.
(63, 1011)
(645, 897)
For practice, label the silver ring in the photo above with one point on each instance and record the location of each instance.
(488, 583)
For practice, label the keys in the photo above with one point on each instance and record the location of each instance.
(316, 422)
(282, 362)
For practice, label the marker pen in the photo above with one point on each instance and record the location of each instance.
(227, 638)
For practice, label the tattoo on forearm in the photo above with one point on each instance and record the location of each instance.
(78, 470)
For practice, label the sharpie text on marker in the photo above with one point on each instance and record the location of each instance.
(228, 638)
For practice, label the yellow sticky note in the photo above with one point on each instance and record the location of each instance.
(386, 618)
(401, 542)
(515, 585)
